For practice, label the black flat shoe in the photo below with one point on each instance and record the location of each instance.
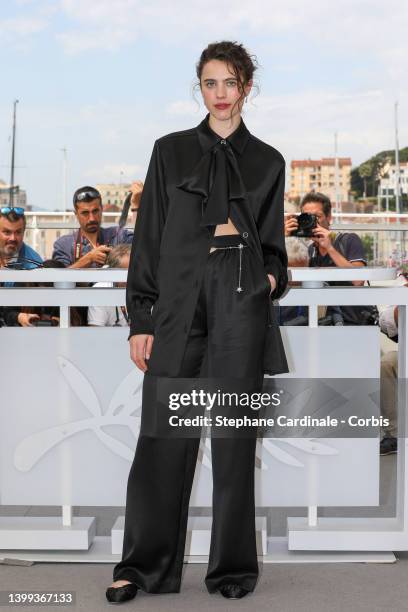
(233, 591)
(121, 594)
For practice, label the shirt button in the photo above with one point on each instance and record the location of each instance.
(223, 141)
(245, 234)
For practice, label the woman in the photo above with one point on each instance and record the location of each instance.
(208, 255)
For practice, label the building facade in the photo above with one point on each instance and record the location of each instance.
(320, 175)
(20, 196)
(113, 194)
(388, 182)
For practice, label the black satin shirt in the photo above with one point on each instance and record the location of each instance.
(195, 181)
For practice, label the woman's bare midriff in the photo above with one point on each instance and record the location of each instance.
(224, 229)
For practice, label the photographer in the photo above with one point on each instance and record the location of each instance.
(328, 249)
(14, 252)
(89, 246)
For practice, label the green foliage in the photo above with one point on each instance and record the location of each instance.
(366, 176)
(368, 243)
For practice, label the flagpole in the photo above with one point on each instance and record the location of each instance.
(13, 146)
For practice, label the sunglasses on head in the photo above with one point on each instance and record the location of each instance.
(6, 210)
(85, 195)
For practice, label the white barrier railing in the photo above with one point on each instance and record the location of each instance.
(313, 533)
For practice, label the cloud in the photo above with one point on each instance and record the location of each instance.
(330, 66)
(362, 21)
(21, 26)
(182, 108)
(374, 30)
(302, 124)
(32, 17)
(114, 173)
(108, 24)
(368, 35)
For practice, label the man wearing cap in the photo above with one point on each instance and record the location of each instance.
(89, 246)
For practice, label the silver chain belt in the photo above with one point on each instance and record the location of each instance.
(240, 246)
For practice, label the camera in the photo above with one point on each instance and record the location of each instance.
(44, 321)
(306, 223)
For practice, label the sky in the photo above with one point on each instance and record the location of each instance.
(105, 78)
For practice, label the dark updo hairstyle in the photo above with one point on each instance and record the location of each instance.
(238, 59)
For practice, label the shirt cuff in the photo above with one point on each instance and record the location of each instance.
(275, 267)
(141, 323)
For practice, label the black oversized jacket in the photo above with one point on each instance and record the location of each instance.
(170, 247)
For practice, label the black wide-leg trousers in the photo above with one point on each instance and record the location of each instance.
(226, 340)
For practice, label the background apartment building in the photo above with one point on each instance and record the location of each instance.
(320, 175)
(388, 181)
(113, 194)
(20, 196)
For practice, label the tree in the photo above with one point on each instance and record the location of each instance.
(368, 243)
(372, 170)
(365, 171)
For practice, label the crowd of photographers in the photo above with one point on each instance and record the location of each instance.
(309, 242)
(90, 246)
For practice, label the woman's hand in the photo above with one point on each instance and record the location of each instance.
(272, 280)
(140, 349)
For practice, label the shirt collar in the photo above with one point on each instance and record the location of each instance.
(21, 253)
(208, 138)
(100, 237)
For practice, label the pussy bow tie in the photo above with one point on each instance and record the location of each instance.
(218, 180)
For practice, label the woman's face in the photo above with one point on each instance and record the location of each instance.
(220, 90)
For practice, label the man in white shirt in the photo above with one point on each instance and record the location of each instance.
(388, 321)
(111, 316)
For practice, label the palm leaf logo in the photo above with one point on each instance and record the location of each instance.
(125, 401)
(125, 408)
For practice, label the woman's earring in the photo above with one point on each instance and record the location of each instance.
(246, 99)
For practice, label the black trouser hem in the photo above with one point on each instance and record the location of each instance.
(165, 587)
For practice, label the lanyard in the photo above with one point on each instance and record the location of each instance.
(78, 244)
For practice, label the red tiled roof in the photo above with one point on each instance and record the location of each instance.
(325, 161)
